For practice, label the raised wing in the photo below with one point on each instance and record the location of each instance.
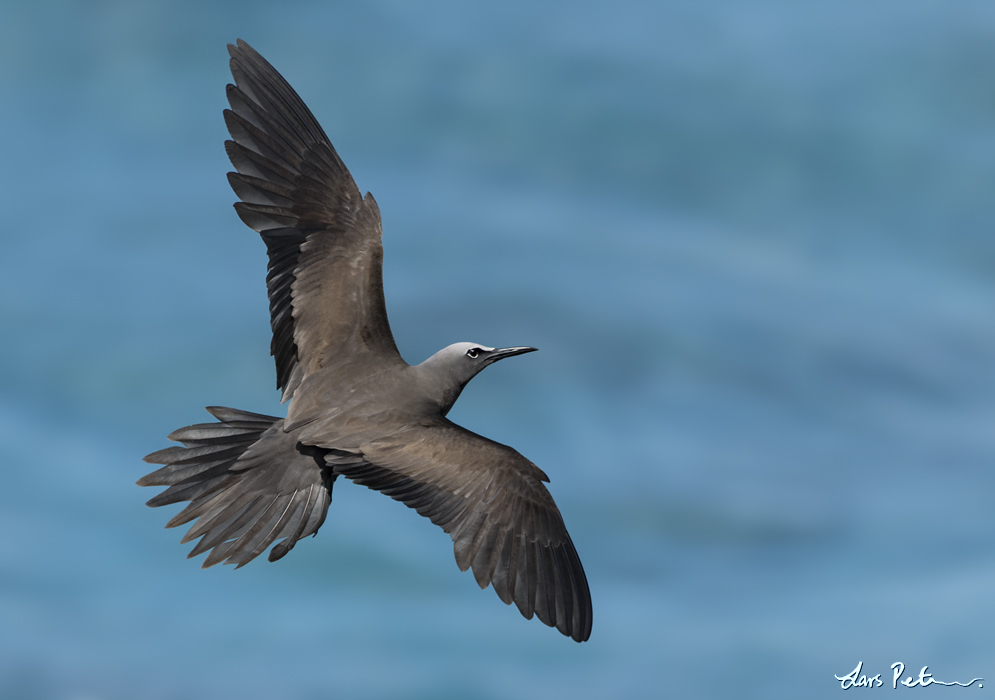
(324, 240)
(491, 501)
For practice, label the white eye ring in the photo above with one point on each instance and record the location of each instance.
(472, 353)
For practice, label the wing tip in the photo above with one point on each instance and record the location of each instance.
(240, 45)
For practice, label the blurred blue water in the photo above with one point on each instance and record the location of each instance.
(753, 242)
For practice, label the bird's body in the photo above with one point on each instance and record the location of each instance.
(357, 409)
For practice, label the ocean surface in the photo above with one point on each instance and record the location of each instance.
(753, 242)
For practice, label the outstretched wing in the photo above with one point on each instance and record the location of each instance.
(491, 501)
(324, 240)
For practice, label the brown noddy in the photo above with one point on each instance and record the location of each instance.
(356, 408)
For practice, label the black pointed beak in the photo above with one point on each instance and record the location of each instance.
(502, 353)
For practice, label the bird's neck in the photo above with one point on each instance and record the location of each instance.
(438, 383)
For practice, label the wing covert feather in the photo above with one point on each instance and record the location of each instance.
(492, 502)
(323, 238)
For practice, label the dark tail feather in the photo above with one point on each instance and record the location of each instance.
(248, 485)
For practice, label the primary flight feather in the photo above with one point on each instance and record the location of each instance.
(357, 409)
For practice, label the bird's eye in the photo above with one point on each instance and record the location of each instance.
(472, 352)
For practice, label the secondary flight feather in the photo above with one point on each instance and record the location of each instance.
(357, 409)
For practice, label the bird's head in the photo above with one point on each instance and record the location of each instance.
(450, 369)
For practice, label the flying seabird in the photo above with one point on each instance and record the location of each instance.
(357, 409)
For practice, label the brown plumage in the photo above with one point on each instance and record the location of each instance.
(357, 409)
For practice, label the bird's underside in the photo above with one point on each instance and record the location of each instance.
(356, 408)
